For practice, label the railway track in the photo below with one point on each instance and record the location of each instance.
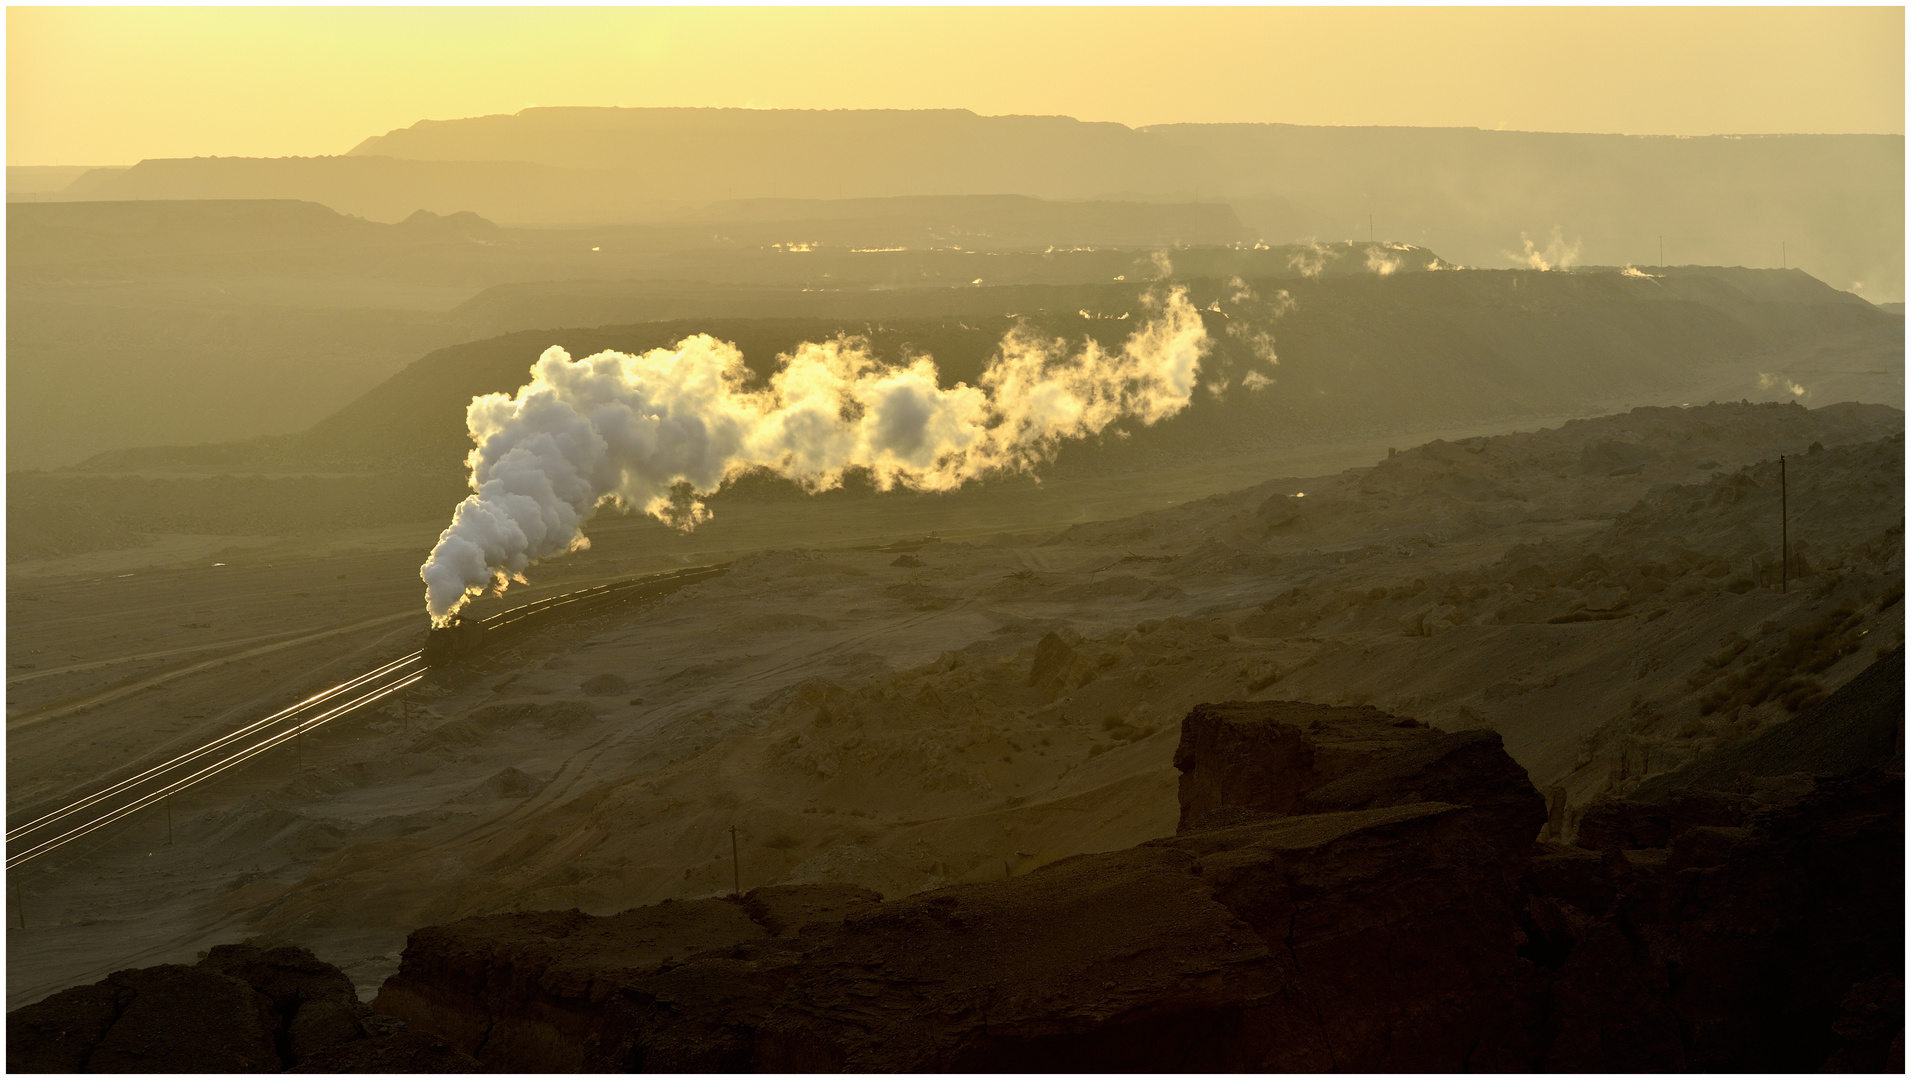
(55, 829)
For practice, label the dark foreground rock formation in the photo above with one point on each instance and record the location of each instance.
(1375, 940)
(241, 1009)
(1348, 891)
(1745, 913)
(1716, 932)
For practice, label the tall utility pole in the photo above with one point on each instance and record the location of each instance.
(1784, 539)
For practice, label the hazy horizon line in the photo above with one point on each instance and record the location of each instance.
(986, 116)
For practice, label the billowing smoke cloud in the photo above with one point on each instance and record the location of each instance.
(1381, 263)
(658, 432)
(1249, 331)
(1557, 254)
(1310, 259)
(1767, 381)
(1259, 342)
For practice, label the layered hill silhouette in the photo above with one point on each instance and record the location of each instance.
(1835, 200)
(228, 298)
(215, 319)
(1354, 353)
(176, 235)
(201, 237)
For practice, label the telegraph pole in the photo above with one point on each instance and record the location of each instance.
(1784, 526)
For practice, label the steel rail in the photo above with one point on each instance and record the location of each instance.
(399, 672)
(210, 771)
(204, 749)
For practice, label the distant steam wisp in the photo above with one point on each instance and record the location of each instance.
(1381, 263)
(1766, 381)
(660, 431)
(1556, 255)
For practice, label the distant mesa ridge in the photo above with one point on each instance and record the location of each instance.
(1719, 200)
(266, 294)
(68, 232)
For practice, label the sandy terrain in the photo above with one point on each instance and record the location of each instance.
(864, 703)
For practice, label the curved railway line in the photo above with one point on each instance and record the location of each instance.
(95, 811)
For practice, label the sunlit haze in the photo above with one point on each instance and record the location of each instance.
(955, 539)
(116, 85)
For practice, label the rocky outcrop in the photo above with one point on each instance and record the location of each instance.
(314, 1005)
(1745, 913)
(1377, 939)
(1058, 666)
(1869, 1036)
(1348, 891)
(1469, 769)
(1243, 760)
(400, 1052)
(171, 1018)
(1724, 932)
(241, 1009)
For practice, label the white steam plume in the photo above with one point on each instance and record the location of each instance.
(1557, 254)
(1767, 381)
(658, 431)
(1381, 263)
(1310, 259)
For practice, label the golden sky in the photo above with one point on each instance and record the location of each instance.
(101, 86)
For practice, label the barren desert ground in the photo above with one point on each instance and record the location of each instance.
(909, 690)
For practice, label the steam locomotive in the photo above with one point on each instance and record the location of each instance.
(459, 638)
